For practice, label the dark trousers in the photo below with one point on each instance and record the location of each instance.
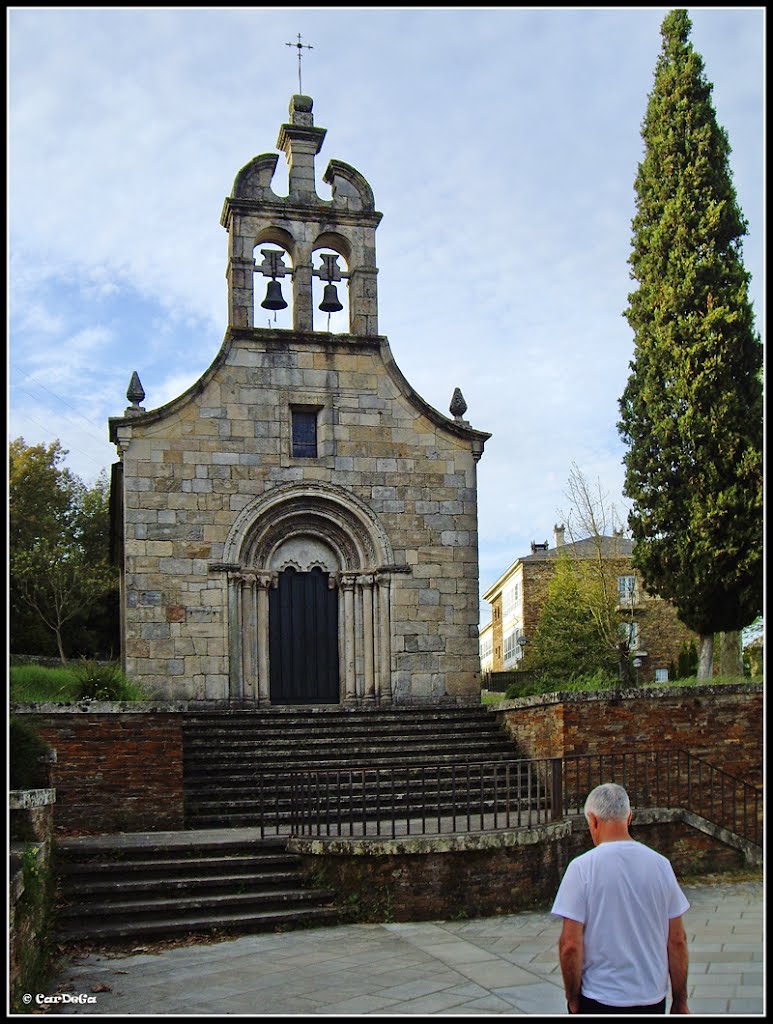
(588, 1005)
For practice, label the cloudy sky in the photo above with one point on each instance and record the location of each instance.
(501, 145)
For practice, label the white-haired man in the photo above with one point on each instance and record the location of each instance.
(623, 937)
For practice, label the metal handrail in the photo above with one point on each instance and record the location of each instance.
(480, 797)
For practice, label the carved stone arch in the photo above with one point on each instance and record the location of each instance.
(334, 240)
(307, 527)
(317, 509)
(279, 237)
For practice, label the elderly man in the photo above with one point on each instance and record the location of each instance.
(623, 936)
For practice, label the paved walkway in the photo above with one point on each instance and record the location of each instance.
(496, 965)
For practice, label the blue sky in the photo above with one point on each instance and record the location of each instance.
(501, 145)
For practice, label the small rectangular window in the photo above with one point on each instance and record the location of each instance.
(661, 675)
(304, 434)
(626, 588)
(630, 631)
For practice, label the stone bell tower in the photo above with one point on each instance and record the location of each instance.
(299, 223)
(300, 526)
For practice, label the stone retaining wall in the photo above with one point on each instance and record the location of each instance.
(421, 878)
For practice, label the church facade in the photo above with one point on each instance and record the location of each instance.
(300, 526)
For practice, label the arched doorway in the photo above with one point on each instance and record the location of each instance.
(309, 600)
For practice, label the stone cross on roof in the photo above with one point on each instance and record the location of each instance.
(301, 46)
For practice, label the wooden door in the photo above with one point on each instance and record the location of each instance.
(303, 639)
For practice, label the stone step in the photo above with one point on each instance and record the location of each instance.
(279, 730)
(311, 745)
(118, 886)
(150, 906)
(159, 866)
(112, 887)
(307, 715)
(195, 923)
(362, 760)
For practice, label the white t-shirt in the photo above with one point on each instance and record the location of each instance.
(624, 894)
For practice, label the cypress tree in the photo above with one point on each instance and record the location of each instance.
(691, 412)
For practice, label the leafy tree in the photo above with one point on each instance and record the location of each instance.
(594, 520)
(691, 412)
(59, 572)
(42, 495)
(567, 641)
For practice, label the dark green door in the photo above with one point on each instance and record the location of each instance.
(303, 639)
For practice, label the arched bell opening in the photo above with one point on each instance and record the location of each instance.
(330, 284)
(273, 289)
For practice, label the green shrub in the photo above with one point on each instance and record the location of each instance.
(95, 681)
(27, 755)
(598, 680)
(545, 683)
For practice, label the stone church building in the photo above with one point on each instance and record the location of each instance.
(300, 526)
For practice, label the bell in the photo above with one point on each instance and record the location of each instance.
(330, 303)
(274, 298)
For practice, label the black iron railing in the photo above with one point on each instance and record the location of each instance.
(668, 778)
(428, 800)
(434, 800)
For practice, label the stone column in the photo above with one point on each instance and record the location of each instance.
(240, 274)
(384, 640)
(363, 302)
(264, 581)
(249, 636)
(303, 313)
(365, 583)
(235, 668)
(347, 605)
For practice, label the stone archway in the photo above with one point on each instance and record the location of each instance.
(324, 530)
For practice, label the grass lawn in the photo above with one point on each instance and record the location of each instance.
(38, 684)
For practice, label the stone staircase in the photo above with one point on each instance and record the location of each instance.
(230, 870)
(158, 885)
(239, 765)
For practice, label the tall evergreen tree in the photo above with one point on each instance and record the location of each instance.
(691, 413)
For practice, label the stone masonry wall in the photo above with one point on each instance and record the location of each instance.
(189, 471)
(116, 770)
(498, 877)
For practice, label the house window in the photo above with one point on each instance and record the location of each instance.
(304, 434)
(661, 675)
(626, 589)
(511, 600)
(511, 648)
(486, 648)
(630, 631)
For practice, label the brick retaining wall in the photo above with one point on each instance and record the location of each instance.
(721, 724)
(116, 770)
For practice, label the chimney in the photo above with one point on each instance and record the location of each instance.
(558, 535)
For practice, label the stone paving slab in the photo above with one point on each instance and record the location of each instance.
(486, 966)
